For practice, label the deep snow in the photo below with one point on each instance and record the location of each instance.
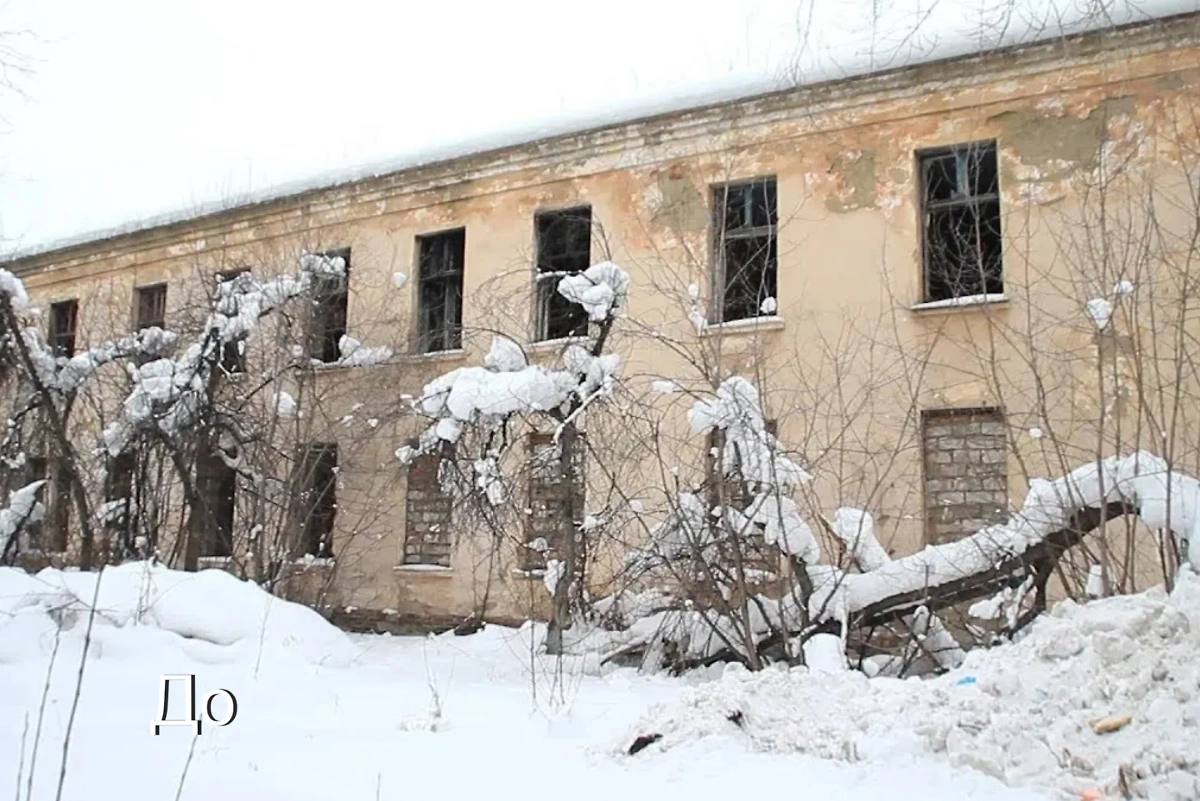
(324, 715)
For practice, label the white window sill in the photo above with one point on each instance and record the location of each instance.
(437, 356)
(326, 563)
(966, 301)
(532, 573)
(550, 345)
(427, 570)
(749, 325)
(219, 562)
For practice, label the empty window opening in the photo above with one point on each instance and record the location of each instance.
(440, 290)
(151, 307)
(960, 199)
(330, 304)
(745, 250)
(120, 511)
(316, 483)
(217, 486)
(564, 247)
(64, 317)
(233, 353)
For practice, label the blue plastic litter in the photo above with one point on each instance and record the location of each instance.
(965, 680)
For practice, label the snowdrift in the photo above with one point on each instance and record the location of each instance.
(1023, 712)
(211, 611)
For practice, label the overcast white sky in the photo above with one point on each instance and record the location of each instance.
(138, 108)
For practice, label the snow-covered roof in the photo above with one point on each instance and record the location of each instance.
(66, 202)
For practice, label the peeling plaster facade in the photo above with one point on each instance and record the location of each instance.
(849, 243)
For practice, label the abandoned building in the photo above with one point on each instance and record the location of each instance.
(908, 264)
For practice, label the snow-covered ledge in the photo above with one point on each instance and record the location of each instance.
(554, 345)
(749, 325)
(424, 570)
(964, 301)
(454, 354)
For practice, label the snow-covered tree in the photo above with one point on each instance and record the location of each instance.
(485, 402)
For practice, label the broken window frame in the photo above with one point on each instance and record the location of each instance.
(316, 498)
(440, 268)
(736, 294)
(330, 315)
(979, 270)
(560, 252)
(64, 320)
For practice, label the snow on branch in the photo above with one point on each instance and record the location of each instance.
(508, 385)
(600, 289)
(1165, 499)
(750, 451)
(23, 507)
(170, 393)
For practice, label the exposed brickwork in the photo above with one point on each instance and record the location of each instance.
(427, 532)
(966, 476)
(549, 495)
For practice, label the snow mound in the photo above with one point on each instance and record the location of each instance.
(210, 606)
(1025, 712)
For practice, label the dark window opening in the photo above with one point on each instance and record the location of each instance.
(56, 526)
(960, 198)
(440, 290)
(564, 247)
(151, 312)
(64, 317)
(428, 508)
(35, 470)
(317, 485)
(217, 486)
(746, 251)
(233, 354)
(119, 517)
(151, 306)
(330, 304)
(551, 497)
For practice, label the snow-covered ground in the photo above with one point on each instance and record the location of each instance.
(326, 715)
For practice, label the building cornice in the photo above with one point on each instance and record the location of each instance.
(649, 139)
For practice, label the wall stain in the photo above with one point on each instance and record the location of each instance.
(856, 174)
(1062, 143)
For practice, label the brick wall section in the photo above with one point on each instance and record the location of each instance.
(966, 476)
(549, 496)
(427, 533)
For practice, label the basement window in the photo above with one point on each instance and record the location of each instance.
(960, 207)
(564, 247)
(745, 250)
(440, 290)
(331, 300)
(64, 317)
